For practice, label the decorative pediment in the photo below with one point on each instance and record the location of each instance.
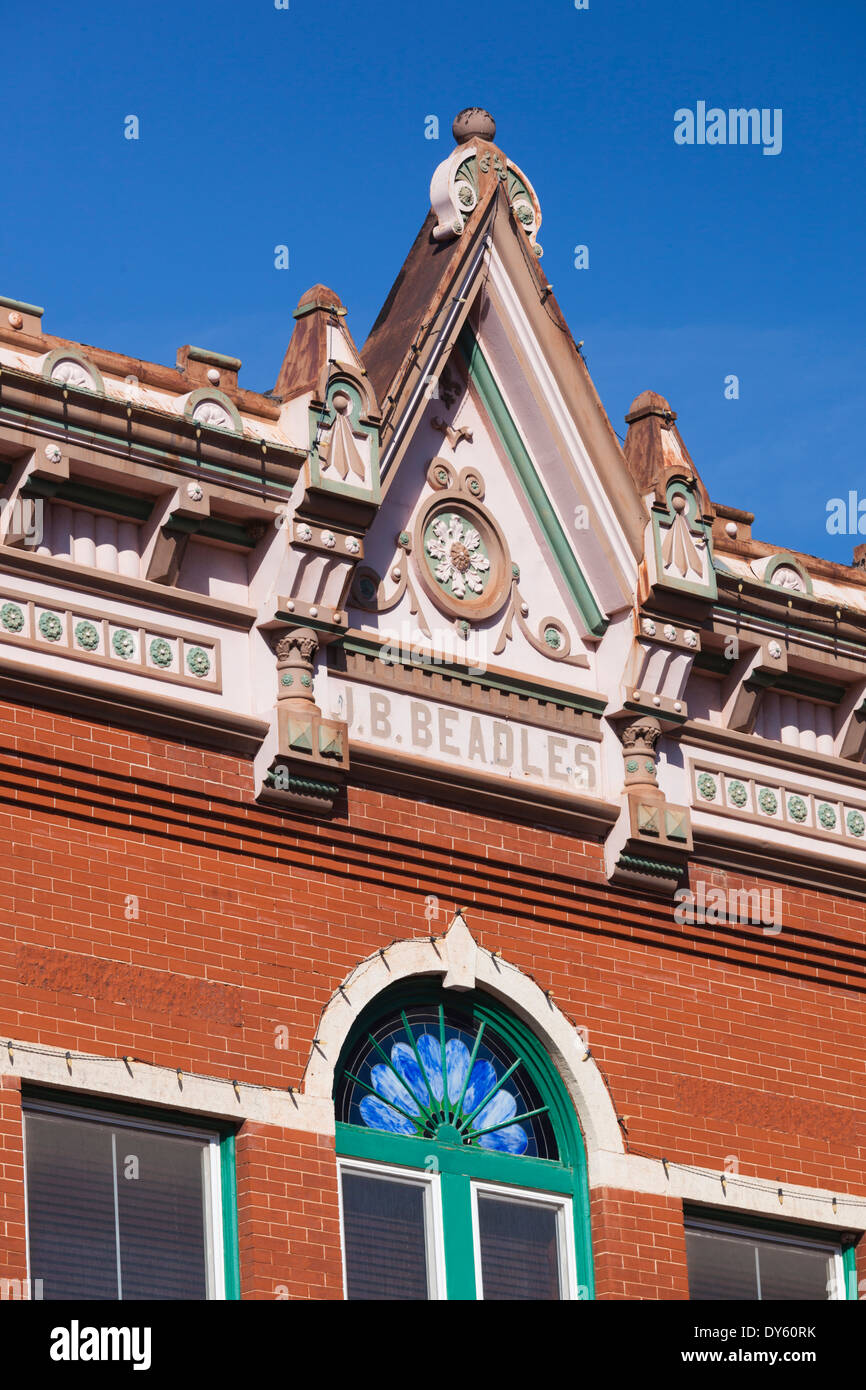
(680, 555)
(344, 440)
(784, 571)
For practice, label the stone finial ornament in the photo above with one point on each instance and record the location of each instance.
(470, 175)
(473, 123)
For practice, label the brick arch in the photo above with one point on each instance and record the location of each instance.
(457, 958)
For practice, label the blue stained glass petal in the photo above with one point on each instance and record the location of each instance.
(390, 1088)
(457, 1064)
(430, 1052)
(406, 1063)
(481, 1083)
(511, 1140)
(501, 1108)
(378, 1115)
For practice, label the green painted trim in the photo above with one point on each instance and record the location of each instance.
(214, 528)
(795, 684)
(96, 498)
(784, 557)
(457, 1236)
(231, 1251)
(849, 1272)
(722, 610)
(216, 359)
(647, 866)
(512, 442)
(213, 393)
(791, 683)
(374, 1146)
(684, 484)
(566, 1176)
(217, 529)
(323, 414)
(310, 305)
(587, 703)
(22, 306)
(161, 457)
(73, 355)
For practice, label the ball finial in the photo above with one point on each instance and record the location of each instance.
(473, 123)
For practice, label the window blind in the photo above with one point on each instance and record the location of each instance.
(519, 1249)
(116, 1211)
(385, 1233)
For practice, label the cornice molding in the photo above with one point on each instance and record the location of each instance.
(782, 757)
(83, 579)
(148, 712)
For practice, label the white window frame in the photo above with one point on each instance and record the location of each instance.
(565, 1231)
(759, 1233)
(432, 1216)
(212, 1193)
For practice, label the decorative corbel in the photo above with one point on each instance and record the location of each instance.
(752, 674)
(650, 843)
(849, 740)
(313, 752)
(190, 508)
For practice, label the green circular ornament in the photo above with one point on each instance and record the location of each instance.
(86, 635)
(12, 617)
(768, 802)
(737, 793)
(797, 808)
(827, 816)
(856, 823)
(707, 786)
(123, 643)
(198, 661)
(160, 652)
(50, 626)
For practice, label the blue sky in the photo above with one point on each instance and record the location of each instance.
(305, 127)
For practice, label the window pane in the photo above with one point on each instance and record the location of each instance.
(519, 1249)
(789, 1272)
(70, 1200)
(721, 1266)
(115, 1211)
(745, 1267)
(385, 1230)
(162, 1215)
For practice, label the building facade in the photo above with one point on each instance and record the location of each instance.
(434, 830)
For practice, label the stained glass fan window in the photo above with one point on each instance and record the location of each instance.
(432, 1072)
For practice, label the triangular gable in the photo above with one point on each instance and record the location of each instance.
(470, 315)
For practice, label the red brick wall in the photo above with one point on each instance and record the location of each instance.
(639, 1245)
(288, 1219)
(13, 1245)
(156, 910)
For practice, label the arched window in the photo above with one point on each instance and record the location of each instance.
(462, 1170)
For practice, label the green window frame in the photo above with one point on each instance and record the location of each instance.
(60, 1103)
(459, 1170)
